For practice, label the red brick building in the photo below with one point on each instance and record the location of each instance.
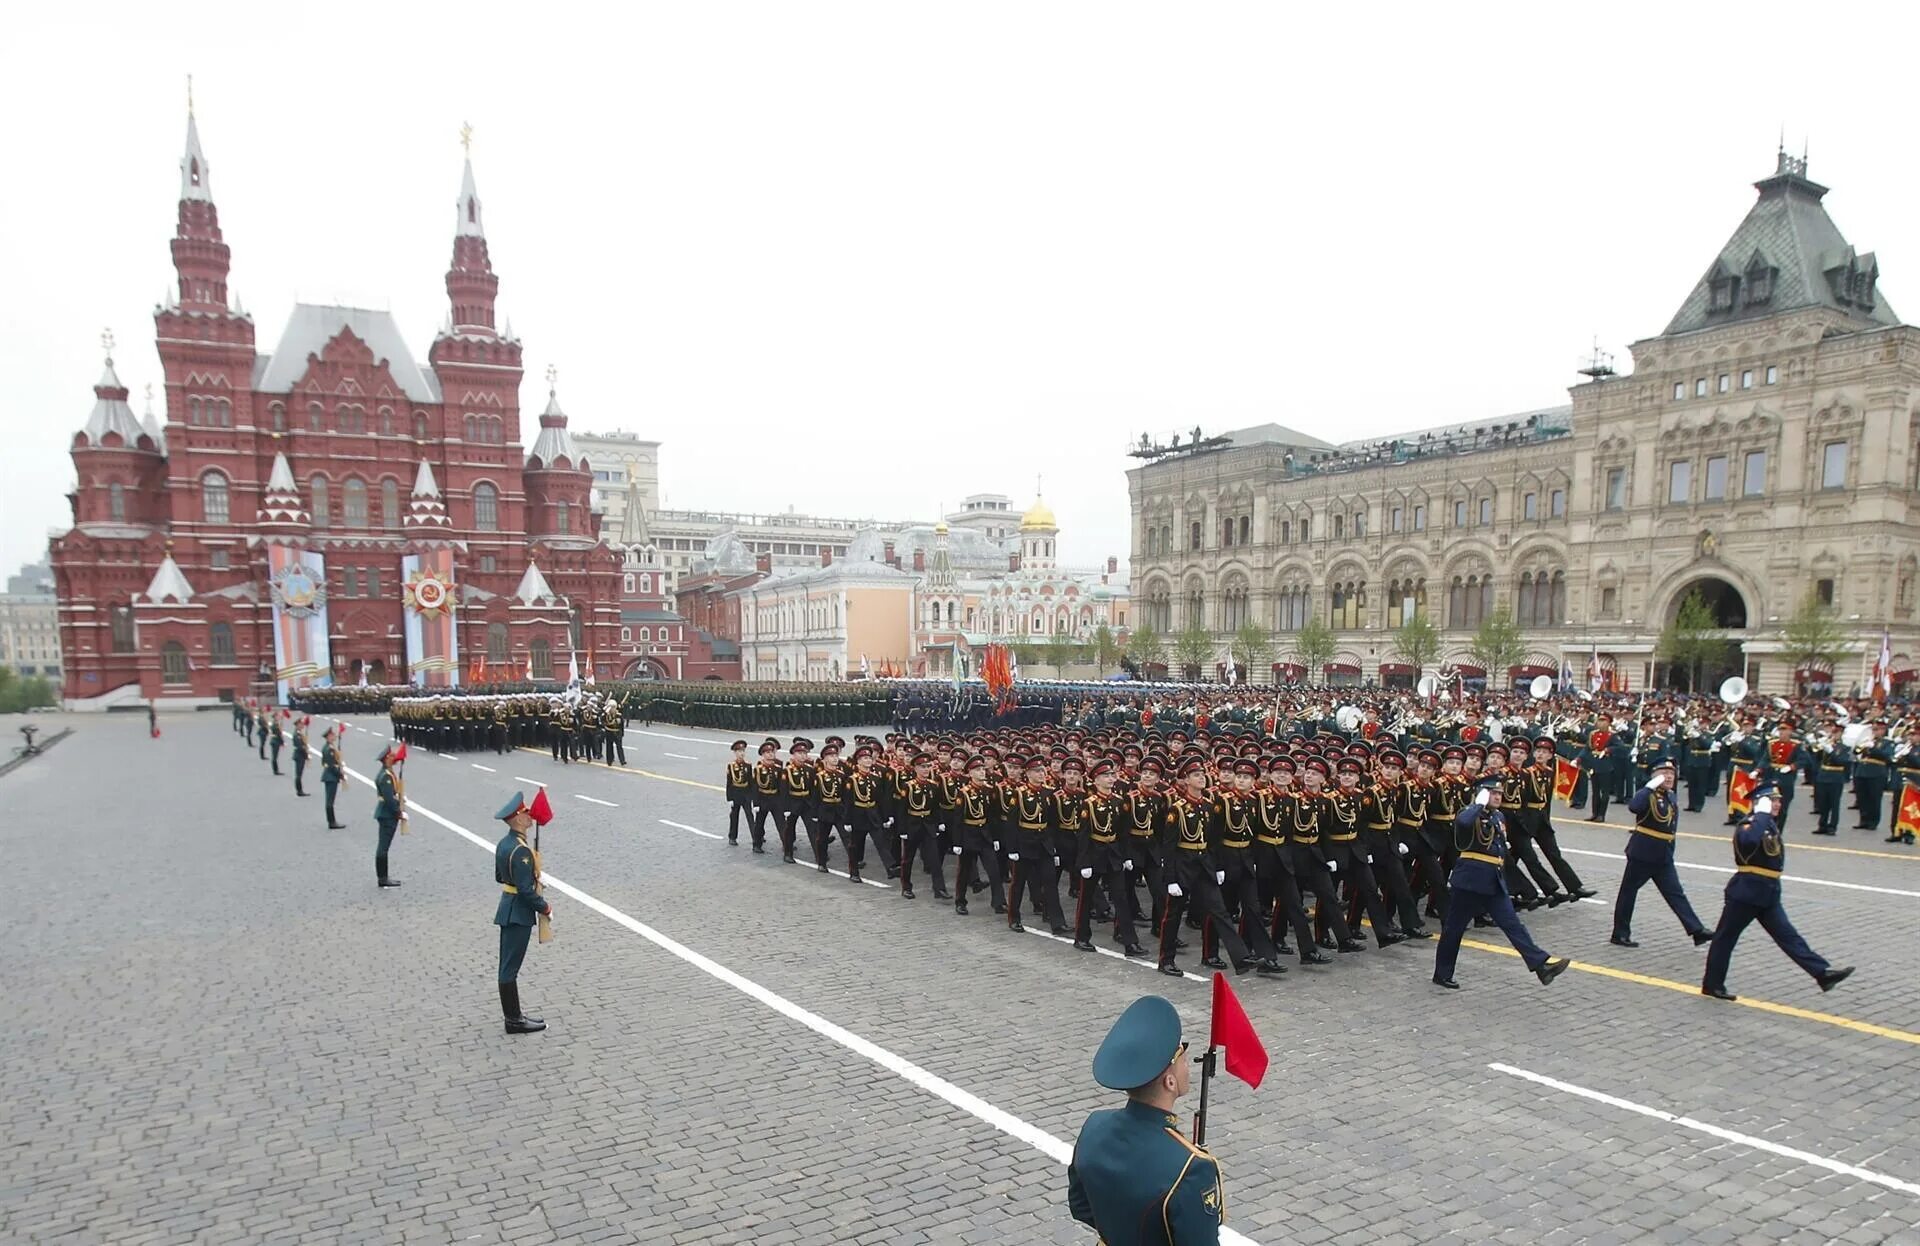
(330, 508)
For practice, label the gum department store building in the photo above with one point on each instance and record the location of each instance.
(1762, 449)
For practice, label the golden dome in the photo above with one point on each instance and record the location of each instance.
(940, 529)
(1038, 516)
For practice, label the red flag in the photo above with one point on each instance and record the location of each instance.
(541, 811)
(1246, 1057)
(1740, 785)
(1908, 819)
(1566, 777)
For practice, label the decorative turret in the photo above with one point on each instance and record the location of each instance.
(280, 504)
(200, 254)
(471, 284)
(533, 590)
(1038, 531)
(634, 534)
(112, 424)
(169, 583)
(558, 480)
(426, 510)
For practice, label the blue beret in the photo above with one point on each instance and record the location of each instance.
(1140, 1044)
(512, 807)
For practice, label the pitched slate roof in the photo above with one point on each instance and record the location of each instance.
(1788, 231)
(313, 325)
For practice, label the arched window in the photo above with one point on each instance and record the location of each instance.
(173, 663)
(419, 425)
(322, 511)
(1193, 535)
(224, 413)
(387, 426)
(316, 418)
(1196, 608)
(213, 498)
(486, 507)
(1469, 600)
(389, 503)
(116, 503)
(577, 627)
(277, 412)
(562, 518)
(646, 583)
(353, 502)
(1233, 607)
(1348, 603)
(1406, 600)
(542, 659)
(220, 641)
(1293, 608)
(1523, 598)
(194, 415)
(121, 624)
(1557, 601)
(496, 644)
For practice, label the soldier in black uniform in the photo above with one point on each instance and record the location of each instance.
(1031, 861)
(800, 786)
(739, 791)
(973, 838)
(829, 801)
(613, 727)
(769, 787)
(916, 828)
(1236, 820)
(865, 797)
(1192, 876)
(1100, 857)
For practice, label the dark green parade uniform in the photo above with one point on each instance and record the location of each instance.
(299, 759)
(330, 776)
(1134, 1177)
(276, 742)
(1872, 767)
(1830, 762)
(516, 867)
(260, 730)
(386, 815)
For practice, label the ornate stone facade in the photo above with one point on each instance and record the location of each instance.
(1763, 449)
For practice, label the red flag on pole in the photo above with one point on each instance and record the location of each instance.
(1907, 821)
(1740, 785)
(1246, 1056)
(1566, 777)
(540, 810)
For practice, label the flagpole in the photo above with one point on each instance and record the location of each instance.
(1206, 1063)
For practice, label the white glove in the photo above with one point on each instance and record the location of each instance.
(996, 845)
(1127, 866)
(1657, 781)
(1219, 877)
(956, 850)
(1481, 797)
(1013, 856)
(1056, 863)
(1333, 867)
(1763, 805)
(1086, 871)
(1173, 889)
(1402, 848)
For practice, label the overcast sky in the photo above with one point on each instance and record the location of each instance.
(862, 260)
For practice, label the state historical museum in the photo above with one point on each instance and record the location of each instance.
(331, 510)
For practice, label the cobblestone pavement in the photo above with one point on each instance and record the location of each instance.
(221, 1031)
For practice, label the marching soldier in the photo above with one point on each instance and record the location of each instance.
(1191, 873)
(517, 869)
(1478, 888)
(1753, 894)
(769, 784)
(739, 791)
(1650, 852)
(331, 773)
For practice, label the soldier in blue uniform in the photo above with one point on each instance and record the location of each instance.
(516, 868)
(1134, 1176)
(1753, 894)
(330, 774)
(1478, 888)
(1650, 859)
(387, 810)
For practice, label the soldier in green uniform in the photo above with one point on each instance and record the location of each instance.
(517, 869)
(1134, 1176)
(331, 774)
(387, 811)
(300, 756)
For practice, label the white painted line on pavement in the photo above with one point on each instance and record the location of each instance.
(1791, 878)
(446, 756)
(1726, 1135)
(682, 826)
(681, 756)
(1056, 1149)
(521, 778)
(596, 800)
(684, 739)
(477, 766)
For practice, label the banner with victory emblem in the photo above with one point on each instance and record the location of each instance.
(433, 652)
(297, 579)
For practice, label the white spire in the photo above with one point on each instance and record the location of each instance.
(424, 508)
(169, 582)
(469, 222)
(111, 414)
(280, 501)
(195, 182)
(424, 485)
(280, 479)
(633, 518)
(533, 588)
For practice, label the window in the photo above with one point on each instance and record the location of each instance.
(1393, 520)
(1246, 528)
(173, 663)
(1754, 482)
(1746, 379)
(1773, 374)
(542, 659)
(277, 412)
(1419, 519)
(1557, 503)
(1724, 383)
(1339, 527)
(1226, 535)
(217, 559)
(220, 639)
(1680, 481)
(419, 425)
(318, 487)
(1679, 390)
(628, 584)
(316, 419)
(349, 581)
(1717, 478)
(1359, 523)
(116, 503)
(1469, 600)
(1700, 387)
(1530, 506)
(1833, 468)
(486, 507)
(353, 502)
(487, 563)
(213, 498)
(1609, 601)
(1616, 488)
(1306, 533)
(121, 625)
(373, 581)
(1406, 601)
(1193, 535)
(1286, 532)
(1460, 513)
(1348, 602)
(562, 518)
(1486, 510)
(1823, 590)
(646, 583)
(389, 504)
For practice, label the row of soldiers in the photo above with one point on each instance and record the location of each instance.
(762, 705)
(274, 728)
(1240, 836)
(574, 726)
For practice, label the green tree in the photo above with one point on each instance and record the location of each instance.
(18, 694)
(1417, 642)
(1314, 645)
(1195, 649)
(1813, 636)
(1106, 649)
(1252, 647)
(1060, 653)
(1498, 646)
(1693, 640)
(1028, 655)
(1144, 649)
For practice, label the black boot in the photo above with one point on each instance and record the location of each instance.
(517, 1022)
(380, 870)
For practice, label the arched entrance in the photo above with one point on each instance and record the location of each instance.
(1723, 600)
(1705, 652)
(644, 668)
(377, 672)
